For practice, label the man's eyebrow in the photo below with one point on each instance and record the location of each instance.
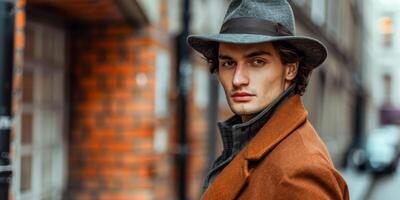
(224, 57)
(250, 55)
(258, 53)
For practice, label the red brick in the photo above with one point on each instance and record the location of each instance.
(17, 82)
(144, 146)
(19, 40)
(111, 82)
(105, 134)
(145, 108)
(115, 172)
(145, 68)
(88, 83)
(20, 20)
(124, 196)
(18, 59)
(89, 145)
(89, 172)
(95, 95)
(103, 159)
(91, 106)
(145, 172)
(89, 121)
(89, 57)
(120, 30)
(80, 195)
(136, 160)
(128, 82)
(111, 70)
(107, 44)
(21, 3)
(140, 42)
(137, 132)
(121, 147)
(122, 94)
(118, 121)
(142, 183)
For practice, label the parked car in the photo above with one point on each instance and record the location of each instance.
(383, 149)
(357, 158)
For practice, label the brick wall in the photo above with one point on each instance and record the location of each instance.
(111, 152)
(19, 44)
(197, 141)
(111, 120)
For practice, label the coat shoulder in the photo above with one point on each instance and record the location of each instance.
(299, 166)
(302, 147)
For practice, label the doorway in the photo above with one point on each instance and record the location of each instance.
(40, 157)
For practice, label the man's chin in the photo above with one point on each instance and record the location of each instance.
(244, 111)
(244, 108)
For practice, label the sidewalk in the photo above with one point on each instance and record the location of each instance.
(359, 183)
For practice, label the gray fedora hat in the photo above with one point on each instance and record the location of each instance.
(258, 21)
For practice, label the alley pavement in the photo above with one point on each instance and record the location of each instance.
(385, 187)
(358, 182)
(365, 186)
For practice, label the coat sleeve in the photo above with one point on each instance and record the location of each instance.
(312, 182)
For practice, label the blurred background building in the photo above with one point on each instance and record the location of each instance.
(91, 100)
(334, 88)
(96, 84)
(382, 74)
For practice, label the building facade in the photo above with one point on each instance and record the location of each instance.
(90, 100)
(334, 88)
(381, 75)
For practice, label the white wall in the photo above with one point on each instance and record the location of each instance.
(380, 60)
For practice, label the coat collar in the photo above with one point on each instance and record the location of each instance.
(235, 134)
(290, 115)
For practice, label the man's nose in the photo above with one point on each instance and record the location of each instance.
(240, 77)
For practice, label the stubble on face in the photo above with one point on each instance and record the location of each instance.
(260, 76)
(240, 108)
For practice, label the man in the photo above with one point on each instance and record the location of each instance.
(271, 151)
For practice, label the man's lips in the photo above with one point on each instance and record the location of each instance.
(242, 96)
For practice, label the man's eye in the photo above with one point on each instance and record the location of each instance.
(258, 62)
(227, 63)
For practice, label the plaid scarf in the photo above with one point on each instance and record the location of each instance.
(235, 134)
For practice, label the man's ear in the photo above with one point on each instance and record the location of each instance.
(291, 71)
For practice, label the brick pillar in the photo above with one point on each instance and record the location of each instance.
(19, 45)
(112, 91)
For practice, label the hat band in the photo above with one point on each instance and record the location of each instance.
(251, 25)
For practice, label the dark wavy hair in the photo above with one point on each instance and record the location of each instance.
(288, 54)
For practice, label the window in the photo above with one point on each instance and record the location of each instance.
(386, 28)
(387, 81)
(300, 2)
(318, 12)
(333, 18)
(40, 149)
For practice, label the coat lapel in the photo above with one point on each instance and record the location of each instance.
(230, 181)
(235, 175)
(285, 120)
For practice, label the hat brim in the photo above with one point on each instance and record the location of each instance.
(314, 51)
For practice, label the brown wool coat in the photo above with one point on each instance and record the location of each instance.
(286, 160)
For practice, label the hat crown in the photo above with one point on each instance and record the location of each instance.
(277, 11)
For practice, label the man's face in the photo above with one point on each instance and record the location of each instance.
(252, 76)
